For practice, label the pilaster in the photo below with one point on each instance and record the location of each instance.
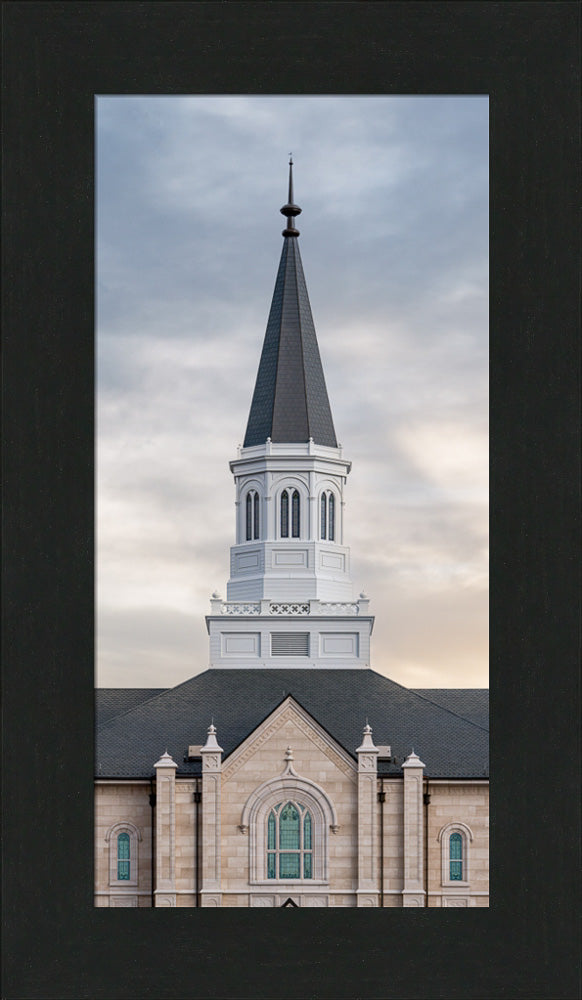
(211, 753)
(367, 891)
(413, 893)
(165, 882)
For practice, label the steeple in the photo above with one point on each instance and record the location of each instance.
(290, 401)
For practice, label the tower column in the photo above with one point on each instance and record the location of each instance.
(367, 891)
(413, 891)
(211, 753)
(165, 881)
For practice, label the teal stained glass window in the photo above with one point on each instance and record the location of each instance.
(323, 516)
(455, 857)
(123, 860)
(289, 842)
(295, 524)
(285, 514)
(331, 518)
(271, 832)
(289, 828)
(307, 831)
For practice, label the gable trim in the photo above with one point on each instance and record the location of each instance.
(289, 710)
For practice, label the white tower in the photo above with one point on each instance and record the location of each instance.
(289, 597)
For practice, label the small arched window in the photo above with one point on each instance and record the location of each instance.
(252, 515)
(289, 842)
(123, 857)
(455, 839)
(295, 522)
(328, 516)
(123, 840)
(285, 514)
(456, 857)
(331, 518)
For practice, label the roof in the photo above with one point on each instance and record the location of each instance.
(290, 401)
(339, 700)
(110, 702)
(470, 703)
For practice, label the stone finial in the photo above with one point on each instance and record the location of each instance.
(288, 754)
(413, 760)
(216, 595)
(363, 595)
(211, 741)
(166, 761)
(367, 743)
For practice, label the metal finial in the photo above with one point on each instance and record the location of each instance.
(290, 209)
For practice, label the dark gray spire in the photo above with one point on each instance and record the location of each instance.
(290, 401)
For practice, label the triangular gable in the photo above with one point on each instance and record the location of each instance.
(289, 710)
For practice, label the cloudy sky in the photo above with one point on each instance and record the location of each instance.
(394, 242)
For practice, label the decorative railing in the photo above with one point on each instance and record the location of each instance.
(240, 609)
(329, 608)
(289, 609)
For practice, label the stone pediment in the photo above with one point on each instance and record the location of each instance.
(289, 714)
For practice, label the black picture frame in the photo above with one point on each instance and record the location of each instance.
(57, 56)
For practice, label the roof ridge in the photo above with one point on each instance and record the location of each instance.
(450, 710)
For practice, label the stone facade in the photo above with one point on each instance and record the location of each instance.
(366, 852)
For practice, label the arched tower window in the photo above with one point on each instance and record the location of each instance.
(123, 857)
(285, 514)
(331, 518)
(328, 516)
(289, 842)
(252, 515)
(295, 522)
(456, 857)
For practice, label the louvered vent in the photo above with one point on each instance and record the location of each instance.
(290, 643)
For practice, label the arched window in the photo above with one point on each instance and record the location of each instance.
(285, 514)
(331, 518)
(289, 842)
(455, 857)
(328, 516)
(123, 839)
(288, 819)
(455, 839)
(295, 523)
(123, 857)
(252, 515)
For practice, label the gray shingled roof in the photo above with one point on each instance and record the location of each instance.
(340, 700)
(290, 401)
(110, 702)
(470, 703)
